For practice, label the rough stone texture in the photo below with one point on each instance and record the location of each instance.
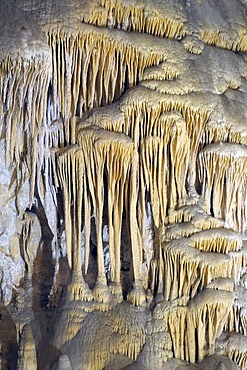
(123, 184)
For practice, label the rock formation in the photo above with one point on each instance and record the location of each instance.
(123, 184)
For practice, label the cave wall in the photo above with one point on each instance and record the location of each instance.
(123, 184)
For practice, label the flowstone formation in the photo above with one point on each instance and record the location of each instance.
(123, 185)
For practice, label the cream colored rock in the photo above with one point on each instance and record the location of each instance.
(123, 127)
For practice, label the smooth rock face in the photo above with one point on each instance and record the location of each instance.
(63, 363)
(123, 180)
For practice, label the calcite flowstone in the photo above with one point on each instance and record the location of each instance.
(123, 184)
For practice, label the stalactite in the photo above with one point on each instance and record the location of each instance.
(185, 213)
(195, 326)
(180, 155)
(154, 140)
(217, 240)
(222, 170)
(237, 320)
(238, 264)
(135, 17)
(50, 138)
(137, 295)
(191, 269)
(177, 231)
(215, 133)
(23, 86)
(154, 164)
(143, 107)
(142, 164)
(155, 129)
(200, 332)
(108, 117)
(189, 220)
(216, 38)
(208, 314)
(237, 134)
(95, 171)
(110, 154)
(155, 161)
(234, 346)
(213, 242)
(225, 131)
(70, 166)
(87, 71)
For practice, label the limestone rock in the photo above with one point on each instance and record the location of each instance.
(63, 363)
(123, 213)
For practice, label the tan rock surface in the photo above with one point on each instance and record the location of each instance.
(123, 183)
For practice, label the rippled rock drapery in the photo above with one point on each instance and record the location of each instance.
(123, 184)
